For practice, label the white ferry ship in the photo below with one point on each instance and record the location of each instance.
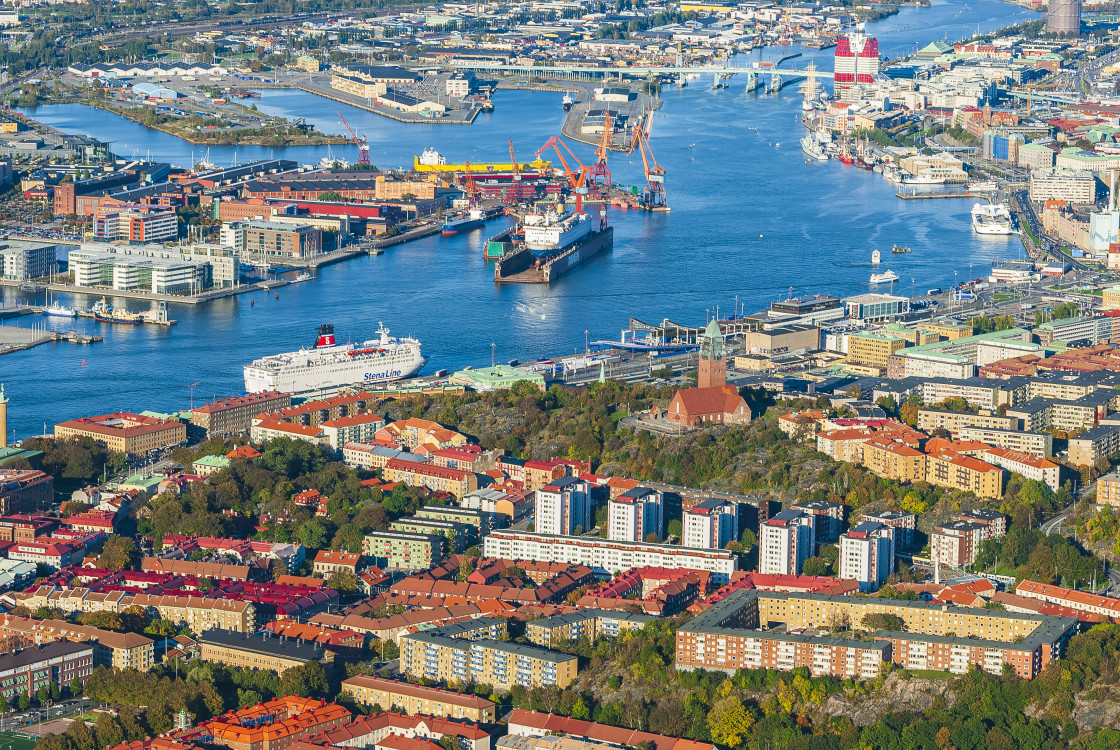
(992, 218)
(327, 365)
(813, 148)
(884, 278)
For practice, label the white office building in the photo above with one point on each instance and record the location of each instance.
(711, 524)
(22, 261)
(867, 554)
(786, 543)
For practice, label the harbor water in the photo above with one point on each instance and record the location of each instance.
(751, 220)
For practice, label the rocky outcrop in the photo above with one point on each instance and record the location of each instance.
(899, 693)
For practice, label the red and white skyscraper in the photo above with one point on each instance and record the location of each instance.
(856, 61)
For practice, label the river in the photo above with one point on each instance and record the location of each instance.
(751, 221)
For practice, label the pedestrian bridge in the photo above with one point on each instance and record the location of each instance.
(636, 71)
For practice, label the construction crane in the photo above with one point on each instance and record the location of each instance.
(470, 187)
(360, 141)
(600, 172)
(577, 179)
(653, 195)
(513, 195)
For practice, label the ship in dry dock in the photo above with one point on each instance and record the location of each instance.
(550, 244)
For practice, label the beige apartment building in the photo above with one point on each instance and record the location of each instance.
(955, 421)
(391, 695)
(952, 470)
(892, 460)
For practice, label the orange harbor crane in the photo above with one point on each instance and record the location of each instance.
(600, 173)
(470, 187)
(359, 141)
(653, 194)
(578, 178)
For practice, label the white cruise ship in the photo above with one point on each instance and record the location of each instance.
(550, 231)
(328, 365)
(884, 278)
(991, 218)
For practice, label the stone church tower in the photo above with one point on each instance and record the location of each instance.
(713, 358)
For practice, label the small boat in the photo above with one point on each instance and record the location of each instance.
(884, 278)
(875, 257)
(304, 277)
(924, 179)
(899, 249)
(60, 311)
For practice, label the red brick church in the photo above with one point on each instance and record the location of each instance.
(712, 400)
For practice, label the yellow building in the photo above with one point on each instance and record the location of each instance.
(415, 699)
(1111, 299)
(1108, 490)
(892, 460)
(591, 624)
(390, 189)
(125, 432)
(873, 348)
(201, 614)
(952, 470)
(310, 64)
(110, 649)
(433, 656)
(358, 86)
(947, 330)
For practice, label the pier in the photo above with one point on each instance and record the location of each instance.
(915, 195)
(15, 339)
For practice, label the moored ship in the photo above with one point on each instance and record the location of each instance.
(813, 148)
(992, 218)
(463, 222)
(552, 243)
(327, 365)
(103, 312)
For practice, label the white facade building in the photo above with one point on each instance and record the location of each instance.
(635, 514)
(563, 507)
(606, 557)
(711, 524)
(867, 554)
(786, 543)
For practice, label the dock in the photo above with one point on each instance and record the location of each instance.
(8, 313)
(916, 195)
(15, 339)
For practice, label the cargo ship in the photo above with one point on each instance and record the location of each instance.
(553, 243)
(462, 222)
(326, 365)
(103, 312)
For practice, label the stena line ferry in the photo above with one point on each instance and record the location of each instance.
(328, 365)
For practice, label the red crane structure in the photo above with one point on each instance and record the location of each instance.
(653, 194)
(360, 141)
(577, 178)
(600, 173)
(470, 187)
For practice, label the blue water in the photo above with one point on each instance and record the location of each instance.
(750, 220)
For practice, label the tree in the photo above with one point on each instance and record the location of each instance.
(675, 529)
(908, 413)
(119, 553)
(882, 621)
(465, 569)
(814, 566)
(312, 534)
(729, 721)
(330, 196)
(308, 680)
(24, 702)
(343, 580)
(5, 707)
(75, 686)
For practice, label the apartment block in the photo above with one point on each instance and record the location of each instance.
(592, 624)
(477, 519)
(955, 421)
(24, 491)
(25, 671)
(265, 650)
(950, 469)
(233, 416)
(867, 554)
(269, 239)
(458, 536)
(402, 551)
(436, 478)
(1108, 490)
(635, 514)
(1026, 465)
(710, 524)
(828, 519)
(728, 637)
(787, 541)
(563, 506)
(125, 432)
(415, 700)
(1039, 444)
(873, 349)
(110, 649)
(903, 523)
(891, 460)
(432, 655)
(607, 557)
(357, 428)
(1094, 443)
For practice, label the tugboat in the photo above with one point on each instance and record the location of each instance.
(899, 249)
(568, 102)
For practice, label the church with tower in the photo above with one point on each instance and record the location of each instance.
(712, 401)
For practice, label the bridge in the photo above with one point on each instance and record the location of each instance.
(1047, 96)
(637, 71)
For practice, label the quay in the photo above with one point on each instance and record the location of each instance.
(9, 313)
(457, 117)
(916, 196)
(13, 339)
(153, 297)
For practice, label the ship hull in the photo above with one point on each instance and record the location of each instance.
(465, 226)
(309, 381)
(521, 267)
(996, 230)
(54, 314)
(125, 321)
